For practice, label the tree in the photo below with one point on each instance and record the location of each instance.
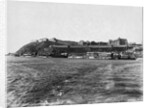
(93, 43)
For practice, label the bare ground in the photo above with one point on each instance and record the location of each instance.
(55, 81)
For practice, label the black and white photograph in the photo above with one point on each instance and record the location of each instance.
(69, 54)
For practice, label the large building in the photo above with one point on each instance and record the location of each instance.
(119, 41)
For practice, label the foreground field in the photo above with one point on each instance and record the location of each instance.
(54, 81)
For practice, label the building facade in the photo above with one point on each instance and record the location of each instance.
(119, 41)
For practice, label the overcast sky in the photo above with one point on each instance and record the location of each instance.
(27, 21)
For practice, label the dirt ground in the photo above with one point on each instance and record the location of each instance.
(35, 81)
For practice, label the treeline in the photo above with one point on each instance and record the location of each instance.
(92, 43)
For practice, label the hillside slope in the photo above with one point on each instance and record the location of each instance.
(39, 46)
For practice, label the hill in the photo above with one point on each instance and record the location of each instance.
(39, 46)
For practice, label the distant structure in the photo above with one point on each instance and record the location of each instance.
(42, 40)
(81, 42)
(56, 47)
(53, 39)
(119, 41)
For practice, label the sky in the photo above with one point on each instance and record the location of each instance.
(28, 21)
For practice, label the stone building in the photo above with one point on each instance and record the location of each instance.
(119, 41)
